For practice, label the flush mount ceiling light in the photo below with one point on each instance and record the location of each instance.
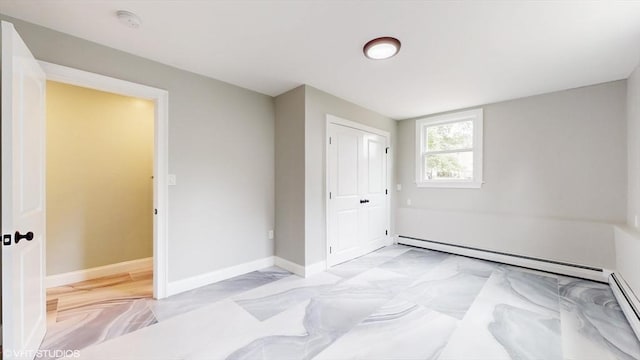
(381, 48)
(129, 19)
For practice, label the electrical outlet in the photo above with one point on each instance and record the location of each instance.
(171, 179)
(270, 234)
(399, 187)
(408, 202)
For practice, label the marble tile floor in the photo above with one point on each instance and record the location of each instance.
(396, 303)
(92, 311)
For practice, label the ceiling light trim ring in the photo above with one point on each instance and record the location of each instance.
(381, 48)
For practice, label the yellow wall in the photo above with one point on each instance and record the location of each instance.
(99, 178)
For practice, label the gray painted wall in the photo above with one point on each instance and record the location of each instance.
(555, 179)
(290, 212)
(318, 105)
(555, 167)
(300, 168)
(221, 147)
(633, 147)
(628, 237)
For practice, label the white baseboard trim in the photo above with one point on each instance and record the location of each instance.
(628, 301)
(550, 266)
(316, 268)
(290, 266)
(304, 271)
(96, 272)
(179, 286)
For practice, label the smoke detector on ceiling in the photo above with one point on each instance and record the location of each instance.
(129, 19)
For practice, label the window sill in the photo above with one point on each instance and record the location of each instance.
(451, 184)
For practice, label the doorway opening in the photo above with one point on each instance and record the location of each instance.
(99, 196)
(129, 179)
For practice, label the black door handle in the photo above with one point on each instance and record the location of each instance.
(28, 236)
(364, 201)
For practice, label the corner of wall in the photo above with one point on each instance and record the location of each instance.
(627, 238)
(318, 104)
(633, 148)
(289, 175)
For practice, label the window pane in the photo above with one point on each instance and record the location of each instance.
(453, 166)
(458, 135)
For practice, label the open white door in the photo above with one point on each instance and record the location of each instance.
(23, 198)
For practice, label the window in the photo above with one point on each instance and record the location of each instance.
(449, 150)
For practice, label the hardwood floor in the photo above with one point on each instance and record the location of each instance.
(65, 301)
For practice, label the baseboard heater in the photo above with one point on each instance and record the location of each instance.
(627, 300)
(529, 262)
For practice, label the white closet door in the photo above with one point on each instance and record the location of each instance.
(345, 178)
(358, 214)
(374, 190)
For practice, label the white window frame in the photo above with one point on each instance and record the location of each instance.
(475, 115)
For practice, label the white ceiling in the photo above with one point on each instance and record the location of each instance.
(454, 54)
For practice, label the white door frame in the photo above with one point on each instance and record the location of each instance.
(160, 98)
(332, 119)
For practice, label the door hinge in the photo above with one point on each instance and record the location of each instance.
(155, 211)
(386, 191)
(386, 232)
(386, 150)
(330, 249)
(329, 140)
(6, 239)
(329, 194)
